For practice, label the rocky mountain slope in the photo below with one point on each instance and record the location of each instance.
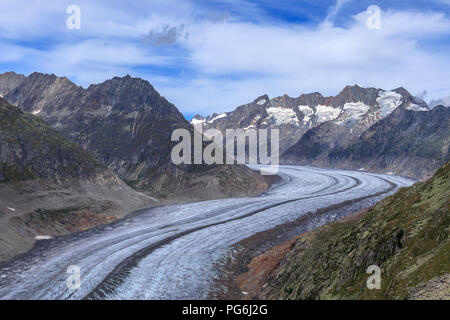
(127, 125)
(261, 113)
(407, 142)
(51, 186)
(326, 131)
(30, 149)
(406, 235)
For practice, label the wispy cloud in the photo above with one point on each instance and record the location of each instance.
(334, 10)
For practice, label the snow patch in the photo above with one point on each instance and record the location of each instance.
(326, 113)
(253, 123)
(197, 121)
(353, 111)
(307, 111)
(282, 115)
(43, 237)
(36, 111)
(261, 102)
(388, 101)
(219, 116)
(356, 109)
(415, 107)
(12, 209)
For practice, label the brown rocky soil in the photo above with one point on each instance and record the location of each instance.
(264, 265)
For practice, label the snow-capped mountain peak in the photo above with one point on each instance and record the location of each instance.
(355, 108)
(197, 120)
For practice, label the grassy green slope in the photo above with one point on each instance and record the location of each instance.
(406, 235)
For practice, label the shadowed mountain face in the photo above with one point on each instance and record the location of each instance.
(332, 143)
(127, 125)
(123, 121)
(30, 149)
(407, 142)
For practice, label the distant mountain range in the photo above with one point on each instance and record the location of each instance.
(360, 128)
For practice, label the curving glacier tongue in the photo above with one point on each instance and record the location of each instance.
(169, 252)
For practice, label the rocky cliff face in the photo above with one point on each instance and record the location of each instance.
(126, 125)
(124, 122)
(405, 235)
(262, 113)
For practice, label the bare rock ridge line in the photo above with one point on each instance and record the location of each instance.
(373, 129)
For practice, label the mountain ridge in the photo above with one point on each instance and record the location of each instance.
(127, 125)
(323, 131)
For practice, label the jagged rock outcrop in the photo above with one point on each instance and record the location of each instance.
(352, 111)
(342, 143)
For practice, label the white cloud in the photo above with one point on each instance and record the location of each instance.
(228, 62)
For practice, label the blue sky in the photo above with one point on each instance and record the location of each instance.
(211, 56)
